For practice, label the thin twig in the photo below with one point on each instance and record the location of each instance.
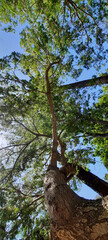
(13, 145)
(82, 24)
(35, 200)
(22, 151)
(75, 5)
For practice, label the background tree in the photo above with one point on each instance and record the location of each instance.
(47, 120)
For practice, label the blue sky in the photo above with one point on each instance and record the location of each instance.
(11, 42)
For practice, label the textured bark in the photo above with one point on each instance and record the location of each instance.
(73, 217)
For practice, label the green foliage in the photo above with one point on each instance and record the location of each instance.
(52, 31)
(101, 110)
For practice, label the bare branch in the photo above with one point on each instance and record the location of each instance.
(87, 83)
(93, 181)
(54, 128)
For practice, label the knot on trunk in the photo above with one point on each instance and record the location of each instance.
(68, 170)
(105, 202)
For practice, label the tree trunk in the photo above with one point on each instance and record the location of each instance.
(73, 217)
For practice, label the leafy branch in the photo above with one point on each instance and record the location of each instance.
(29, 130)
(98, 134)
(17, 159)
(77, 7)
(78, 16)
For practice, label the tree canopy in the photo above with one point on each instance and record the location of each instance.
(46, 119)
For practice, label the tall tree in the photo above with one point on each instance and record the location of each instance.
(47, 121)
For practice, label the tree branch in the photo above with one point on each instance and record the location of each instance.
(18, 191)
(35, 200)
(68, 170)
(99, 121)
(97, 134)
(97, 184)
(90, 118)
(86, 83)
(63, 149)
(54, 127)
(13, 145)
(94, 182)
(22, 151)
(75, 6)
(29, 130)
(78, 16)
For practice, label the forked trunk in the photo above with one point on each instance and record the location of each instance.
(73, 217)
